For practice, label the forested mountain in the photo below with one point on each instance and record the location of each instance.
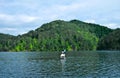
(96, 29)
(110, 41)
(58, 35)
(6, 42)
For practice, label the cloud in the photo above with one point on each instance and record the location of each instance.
(17, 19)
(14, 31)
(8, 30)
(112, 25)
(32, 13)
(90, 21)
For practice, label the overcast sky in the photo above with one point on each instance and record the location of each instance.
(20, 16)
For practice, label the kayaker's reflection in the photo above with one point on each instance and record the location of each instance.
(63, 64)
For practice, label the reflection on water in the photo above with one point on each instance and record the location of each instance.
(49, 65)
(63, 65)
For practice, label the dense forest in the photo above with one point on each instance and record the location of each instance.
(57, 35)
(6, 42)
(110, 41)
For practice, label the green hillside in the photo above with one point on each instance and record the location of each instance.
(96, 29)
(110, 41)
(6, 42)
(57, 35)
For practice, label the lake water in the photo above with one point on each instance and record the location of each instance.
(100, 64)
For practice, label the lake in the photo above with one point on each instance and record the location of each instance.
(83, 64)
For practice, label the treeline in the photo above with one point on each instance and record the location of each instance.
(57, 35)
(6, 42)
(110, 41)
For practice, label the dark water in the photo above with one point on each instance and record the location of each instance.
(49, 65)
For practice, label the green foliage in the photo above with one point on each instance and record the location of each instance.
(55, 36)
(96, 29)
(6, 42)
(111, 41)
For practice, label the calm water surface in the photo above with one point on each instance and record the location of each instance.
(104, 64)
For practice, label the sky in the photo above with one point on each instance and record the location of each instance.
(20, 16)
